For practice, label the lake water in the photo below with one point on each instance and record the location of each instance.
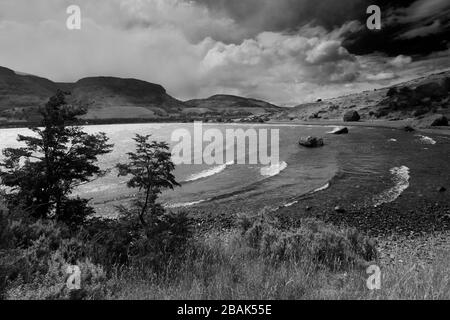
(385, 155)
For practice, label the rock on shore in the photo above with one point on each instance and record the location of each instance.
(311, 142)
(435, 120)
(351, 116)
(342, 130)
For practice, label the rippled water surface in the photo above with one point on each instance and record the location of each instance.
(365, 152)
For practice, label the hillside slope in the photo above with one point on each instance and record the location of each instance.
(231, 105)
(416, 99)
(116, 98)
(22, 91)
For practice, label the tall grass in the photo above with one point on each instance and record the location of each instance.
(226, 270)
(261, 261)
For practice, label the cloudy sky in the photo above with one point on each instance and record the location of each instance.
(282, 51)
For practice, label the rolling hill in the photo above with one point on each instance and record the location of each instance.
(22, 91)
(116, 98)
(231, 105)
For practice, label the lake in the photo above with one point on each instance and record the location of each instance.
(383, 156)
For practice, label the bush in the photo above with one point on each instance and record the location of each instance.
(34, 264)
(75, 211)
(34, 254)
(329, 246)
(50, 283)
(382, 113)
(37, 270)
(5, 236)
(164, 238)
(125, 241)
(23, 232)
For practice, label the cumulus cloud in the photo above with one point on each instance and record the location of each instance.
(400, 61)
(381, 76)
(275, 58)
(327, 51)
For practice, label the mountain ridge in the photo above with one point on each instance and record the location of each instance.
(112, 98)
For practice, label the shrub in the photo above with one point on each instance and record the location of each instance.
(5, 235)
(382, 113)
(34, 264)
(37, 269)
(327, 245)
(50, 283)
(25, 231)
(125, 241)
(165, 238)
(75, 211)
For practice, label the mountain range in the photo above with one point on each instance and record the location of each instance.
(111, 98)
(116, 100)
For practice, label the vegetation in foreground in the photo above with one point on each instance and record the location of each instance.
(259, 260)
(150, 253)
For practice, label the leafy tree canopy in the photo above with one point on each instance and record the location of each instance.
(150, 168)
(58, 157)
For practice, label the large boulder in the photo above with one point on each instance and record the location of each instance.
(446, 84)
(434, 120)
(431, 90)
(311, 142)
(351, 116)
(392, 92)
(340, 130)
(439, 120)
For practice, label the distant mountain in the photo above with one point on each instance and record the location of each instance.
(115, 99)
(231, 105)
(22, 91)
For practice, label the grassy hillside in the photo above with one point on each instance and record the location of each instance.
(108, 97)
(231, 105)
(416, 100)
(19, 94)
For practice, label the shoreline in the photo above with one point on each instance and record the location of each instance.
(397, 124)
(385, 124)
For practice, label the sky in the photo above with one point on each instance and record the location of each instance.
(283, 51)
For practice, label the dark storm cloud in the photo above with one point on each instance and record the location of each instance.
(282, 15)
(408, 26)
(420, 28)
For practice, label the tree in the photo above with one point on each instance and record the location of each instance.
(151, 169)
(55, 160)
